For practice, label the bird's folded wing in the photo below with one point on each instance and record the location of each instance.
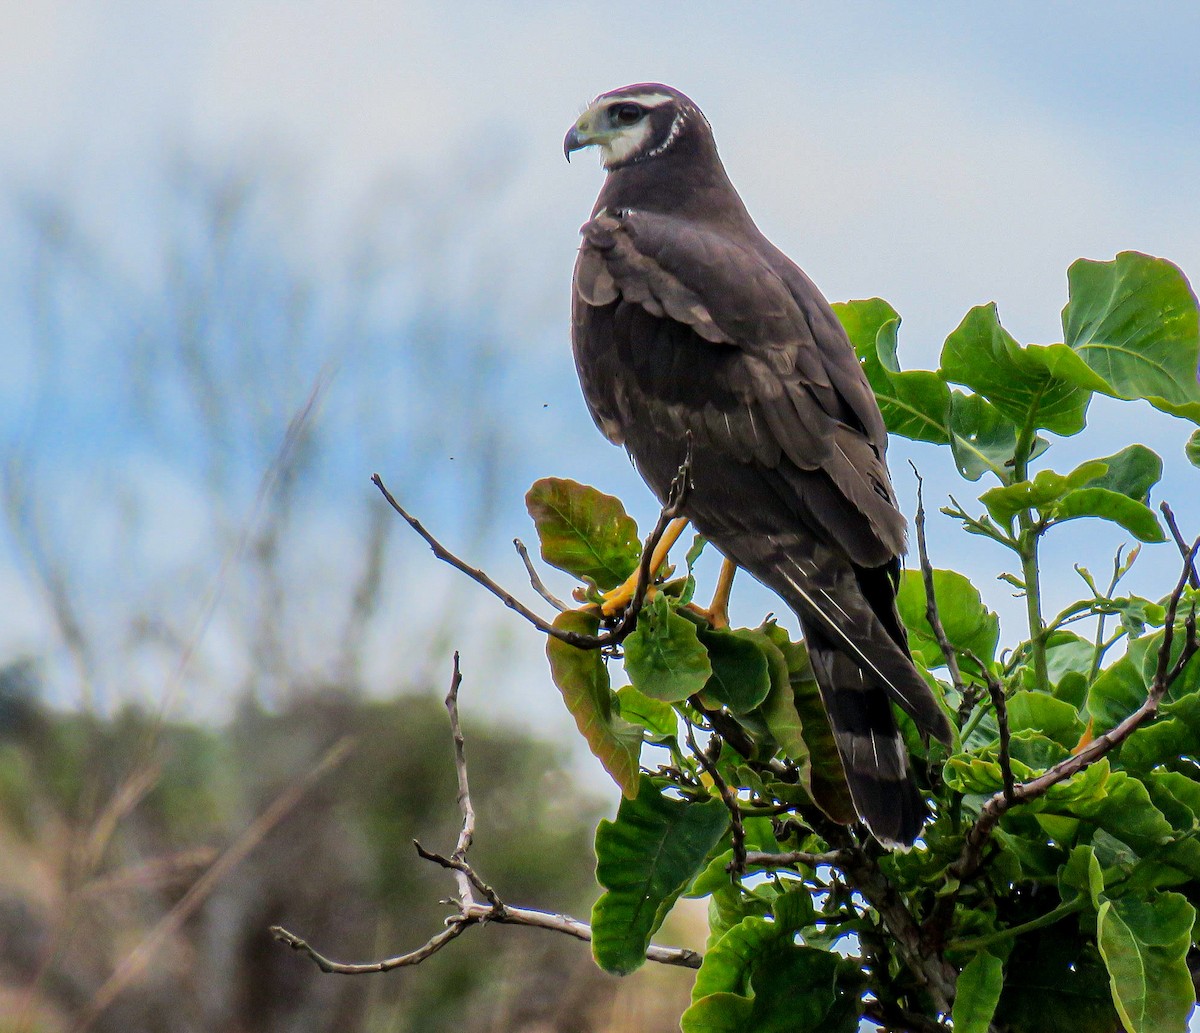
(710, 339)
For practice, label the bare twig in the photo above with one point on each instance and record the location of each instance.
(737, 831)
(1165, 675)
(931, 607)
(796, 858)
(1181, 542)
(1000, 704)
(471, 910)
(535, 579)
(619, 632)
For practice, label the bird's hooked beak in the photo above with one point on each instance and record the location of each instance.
(581, 135)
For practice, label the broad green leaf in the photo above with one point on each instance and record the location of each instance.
(1067, 653)
(1136, 517)
(1126, 812)
(663, 657)
(583, 531)
(756, 980)
(1134, 321)
(1118, 691)
(1052, 717)
(1133, 471)
(779, 709)
(968, 623)
(1055, 982)
(644, 860)
(982, 439)
(1192, 448)
(582, 679)
(1173, 735)
(658, 718)
(1144, 944)
(828, 778)
(1047, 487)
(978, 993)
(1024, 384)
(740, 677)
(914, 404)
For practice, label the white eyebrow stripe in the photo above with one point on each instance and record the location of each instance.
(648, 100)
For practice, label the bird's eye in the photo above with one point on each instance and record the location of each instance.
(625, 114)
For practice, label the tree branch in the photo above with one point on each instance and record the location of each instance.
(471, 910)
(680, 487)
(535, 579)
(1165, 674)
(1180, 542)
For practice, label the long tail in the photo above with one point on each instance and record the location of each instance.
(860, 658)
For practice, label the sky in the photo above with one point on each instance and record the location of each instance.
(939, 156)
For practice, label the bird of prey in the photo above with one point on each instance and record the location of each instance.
(688, 323)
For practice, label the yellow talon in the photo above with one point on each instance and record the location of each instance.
(618, 598)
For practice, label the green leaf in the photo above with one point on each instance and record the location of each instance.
(1134, 322)
(982, 439)
(1118, 691)
(582, 679)
(583, 531)
(664, 657)
(1133, 471)
(1136, 517)
(1025, 384)
(756, 980)
(914, 404)
(656, 717)
(1144, 944)
(644, 860)
(1047, 487)
(968, 623)
(1192, 448)
(779, 709)
(1052, 717)
(1055, 981)
(740, 677)
(978, 993)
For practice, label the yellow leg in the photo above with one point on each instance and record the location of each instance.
(616, 600)
(718, 610)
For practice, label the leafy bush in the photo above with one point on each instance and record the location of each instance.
(1056, 884)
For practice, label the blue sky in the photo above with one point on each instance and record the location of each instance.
(939, 156)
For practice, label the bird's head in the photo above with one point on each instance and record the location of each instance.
(634, 123)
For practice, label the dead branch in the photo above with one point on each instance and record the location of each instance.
(1165, 674)
(535, 579)
(1180, 542)
(931, 607)
(797, 858)
(624, 627)
(472, 911)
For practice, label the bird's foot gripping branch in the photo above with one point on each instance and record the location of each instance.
(1055, 883)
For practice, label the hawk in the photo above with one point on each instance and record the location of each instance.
(687, 321)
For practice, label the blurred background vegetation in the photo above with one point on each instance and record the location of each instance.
(216, 653)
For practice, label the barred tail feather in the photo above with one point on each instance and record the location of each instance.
(869, 743)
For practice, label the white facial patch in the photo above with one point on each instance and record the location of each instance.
(625, 144)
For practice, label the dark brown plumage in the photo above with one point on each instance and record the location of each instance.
(686, 318)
